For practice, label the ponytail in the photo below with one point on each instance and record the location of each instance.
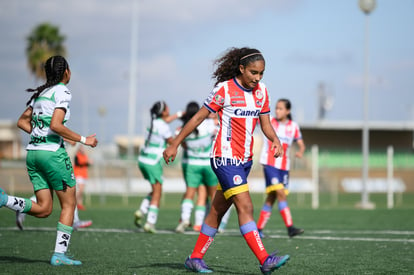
(156, 112)
(55, 68)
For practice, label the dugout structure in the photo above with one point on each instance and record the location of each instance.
(340, 149)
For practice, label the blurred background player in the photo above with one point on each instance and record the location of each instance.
(77, 223)
(48, 164)
(197, 171)
(80, 168)
(158, 134)
(240, 100)
(276, 171)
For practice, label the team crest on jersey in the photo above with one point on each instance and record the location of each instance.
(218, 99)
(259, 103)
(259, 94)
(237, 180)
(289, 130)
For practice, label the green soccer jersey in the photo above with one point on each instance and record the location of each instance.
(42, 137)
(197, 147)
(152, 151)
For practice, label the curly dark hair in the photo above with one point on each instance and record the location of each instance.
(228, 64)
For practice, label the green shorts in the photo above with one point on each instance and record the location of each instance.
(196, 175)
(50, 170)
(152, 173)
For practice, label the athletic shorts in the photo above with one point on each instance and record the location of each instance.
(232, 175)
(50, 170)
(152, 173)
(196, 175)
(276, 179)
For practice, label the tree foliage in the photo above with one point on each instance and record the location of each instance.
(44, 41)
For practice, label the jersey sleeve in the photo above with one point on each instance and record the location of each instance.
(266, 104)
(215, 101)
(297, 134)
(63, 98)
(31, 104)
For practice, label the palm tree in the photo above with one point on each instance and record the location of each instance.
(43, 42)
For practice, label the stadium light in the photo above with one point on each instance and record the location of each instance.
(367, 6)
(132, 79)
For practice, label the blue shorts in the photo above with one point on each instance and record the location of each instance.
(276, 179)
(232, 175)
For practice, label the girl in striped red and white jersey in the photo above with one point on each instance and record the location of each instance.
(277, 170)
(240, 100)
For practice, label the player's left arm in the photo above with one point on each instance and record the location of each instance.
(270, 133)
(302, 148)
(175, 116)
(25, 120)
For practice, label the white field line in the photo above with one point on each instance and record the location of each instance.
(306, 236)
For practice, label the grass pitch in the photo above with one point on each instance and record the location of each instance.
(338, 239)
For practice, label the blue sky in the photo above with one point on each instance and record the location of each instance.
(305, 43)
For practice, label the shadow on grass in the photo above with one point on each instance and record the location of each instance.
(12, 259)
(177, 266)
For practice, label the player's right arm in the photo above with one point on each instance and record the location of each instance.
(25, 120)
(56, 125)
(171, 151)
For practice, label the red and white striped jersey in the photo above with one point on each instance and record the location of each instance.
(238, 111)
(288, 133)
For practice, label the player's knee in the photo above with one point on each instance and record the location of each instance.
(281, 194)
(245, 209)
(44, 213)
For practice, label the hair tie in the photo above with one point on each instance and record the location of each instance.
(161, 107)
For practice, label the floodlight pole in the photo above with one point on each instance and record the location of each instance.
(133, 79)
(367, 6)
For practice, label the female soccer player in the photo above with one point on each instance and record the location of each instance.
(277, 170)
(81, 167)
(196, 169)
(159, 133)
(240, 100)
(48, 164)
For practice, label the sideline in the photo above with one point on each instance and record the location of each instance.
(273, 234)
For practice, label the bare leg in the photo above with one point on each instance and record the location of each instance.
(218, 208)
(43, 206)
(67, 200)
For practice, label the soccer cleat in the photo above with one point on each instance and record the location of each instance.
(149, 228)
(197, 228)
(62, 259)
(222, 227)
(81, 224)
(3, 198)
(20, 217)
(196, 265)
(138, 218)
(273, 262)
(182, 226)
(293, 231)
(261, 234)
